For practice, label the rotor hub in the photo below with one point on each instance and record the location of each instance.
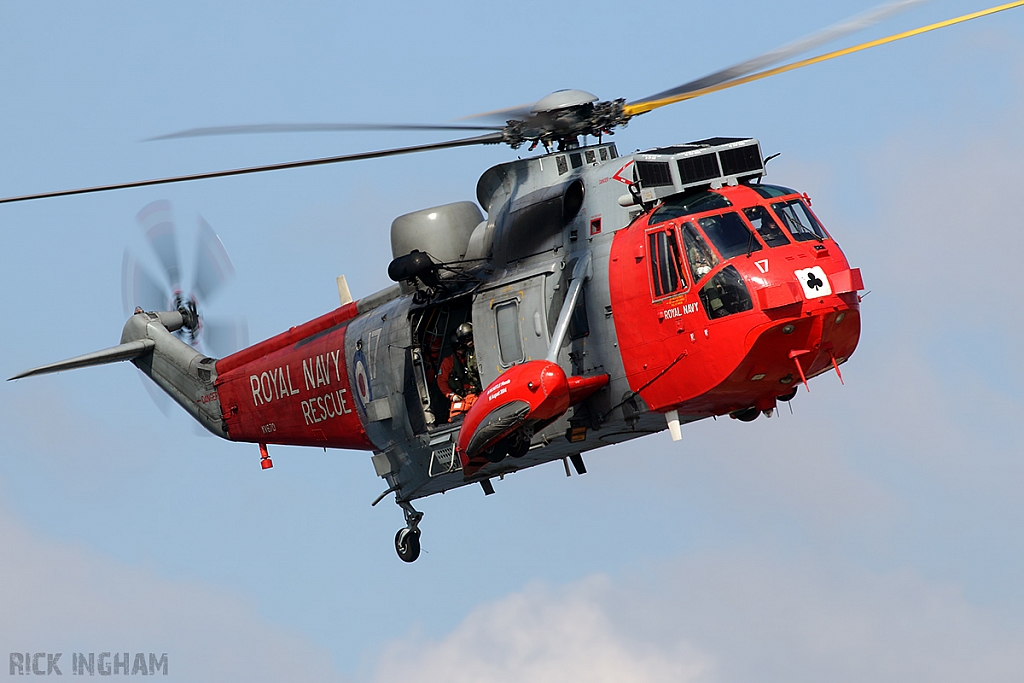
(564, 118)
(562, 99)
(189, 310)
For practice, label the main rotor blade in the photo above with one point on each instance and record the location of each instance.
(845, 27)
(489, 139)
(518, 112)
(311, 128)
(644, 106)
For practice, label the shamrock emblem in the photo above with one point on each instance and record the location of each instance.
(814, 282)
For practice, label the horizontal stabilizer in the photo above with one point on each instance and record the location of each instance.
(127, 351)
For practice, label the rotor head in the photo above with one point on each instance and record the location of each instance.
(562, 99)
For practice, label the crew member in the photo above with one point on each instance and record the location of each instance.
(459, 377)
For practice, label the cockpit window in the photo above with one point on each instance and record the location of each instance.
(725, 294)
(767, 228)
(686, 204)
(771, 191)
(698, 253)
(799, 221)
(665, 262)
(729, 234)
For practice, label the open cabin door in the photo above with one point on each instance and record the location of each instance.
(432, 329)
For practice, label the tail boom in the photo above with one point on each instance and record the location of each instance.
(147, 340)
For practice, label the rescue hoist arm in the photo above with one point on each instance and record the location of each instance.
(581, 272)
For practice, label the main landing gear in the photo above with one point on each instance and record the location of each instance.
(515, 445)
(753, 412)
(746, 415)
(407, 540)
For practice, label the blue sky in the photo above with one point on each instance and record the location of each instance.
(872, 534)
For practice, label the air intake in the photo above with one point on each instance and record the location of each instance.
(714, 162)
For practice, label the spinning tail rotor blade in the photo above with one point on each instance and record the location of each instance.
(649, 104)
(213, 266)
(211, 270)
(139, 288)
(222, 337)
(809, 42)
(489, 139)
(161, 400)
(157, 221)
(309, 128)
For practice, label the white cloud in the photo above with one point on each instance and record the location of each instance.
(542, 635)
(721, 617)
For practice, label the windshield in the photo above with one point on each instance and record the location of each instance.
(799, 221)
(684, 205)
(698, 253)
(766, 226)
(771, 191)
(729, 234)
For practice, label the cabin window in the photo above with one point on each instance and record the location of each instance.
(729, 234)
(725, 294)
(767, 228)
(799, 220)
(510, 338)
(686, 204)
(698, 253)
(665, 263)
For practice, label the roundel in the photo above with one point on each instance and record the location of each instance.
(362, 380)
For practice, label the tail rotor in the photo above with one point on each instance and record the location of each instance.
(211, 270)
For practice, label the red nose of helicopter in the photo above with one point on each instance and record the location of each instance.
(727, 299)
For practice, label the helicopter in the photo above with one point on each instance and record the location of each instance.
(610, 296)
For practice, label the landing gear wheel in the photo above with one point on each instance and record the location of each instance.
(789, 396)
(518, 445)
(746, 415)
(497, 452)
(407, 544)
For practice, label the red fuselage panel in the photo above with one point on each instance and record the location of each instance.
(297, 394)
